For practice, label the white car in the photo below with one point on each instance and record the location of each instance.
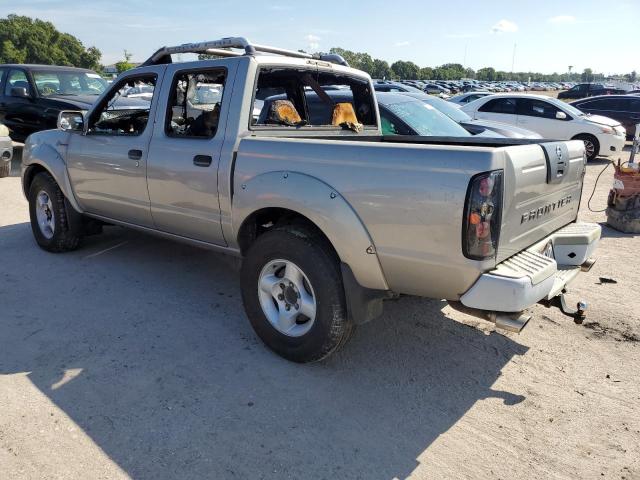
(6, 152)
(553, 119)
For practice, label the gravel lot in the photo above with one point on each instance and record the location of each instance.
(132, 358)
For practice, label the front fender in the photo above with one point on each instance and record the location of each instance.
(46, 149)
(322, 205)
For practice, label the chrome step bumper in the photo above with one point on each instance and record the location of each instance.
(529, 277)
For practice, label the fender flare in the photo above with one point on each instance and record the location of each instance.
(45, 156)
(322, 205)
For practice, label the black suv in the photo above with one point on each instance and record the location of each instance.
(31, 96)
(583, 90)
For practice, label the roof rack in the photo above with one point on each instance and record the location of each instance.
(222, 48)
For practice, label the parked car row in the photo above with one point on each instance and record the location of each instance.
(458, 86)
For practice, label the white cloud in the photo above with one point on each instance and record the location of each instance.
(504, 26)
(404, 43)
(562, 19)
(313, 41)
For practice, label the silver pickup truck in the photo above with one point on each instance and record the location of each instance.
(329, 217)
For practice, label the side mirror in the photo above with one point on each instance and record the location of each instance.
(20, 92)
(68, 120)
(561, 115)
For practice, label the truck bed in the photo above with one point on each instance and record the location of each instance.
(410, 193)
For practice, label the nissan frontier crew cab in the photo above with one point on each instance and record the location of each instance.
(329, 216)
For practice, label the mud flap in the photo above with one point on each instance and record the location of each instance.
(363, 304)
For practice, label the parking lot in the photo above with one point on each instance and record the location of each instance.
(132, 357)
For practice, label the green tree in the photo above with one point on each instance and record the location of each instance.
(27, 40)
(587, 75)
(405, 70)
(487, 73)
(426, 73)
(125, 64)
(381, 69)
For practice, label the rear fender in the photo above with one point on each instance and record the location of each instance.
(322, 205)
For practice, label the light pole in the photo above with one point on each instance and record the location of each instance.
(570, 68)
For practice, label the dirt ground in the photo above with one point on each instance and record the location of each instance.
(132, 358)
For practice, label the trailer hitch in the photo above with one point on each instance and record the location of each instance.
(578, 314)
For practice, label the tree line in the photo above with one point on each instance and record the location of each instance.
(27, 40)
(408, 70)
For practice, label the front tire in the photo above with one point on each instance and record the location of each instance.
(293, 294)
(591, 145)
(49, 217)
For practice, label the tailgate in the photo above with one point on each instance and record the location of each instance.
(542, 188)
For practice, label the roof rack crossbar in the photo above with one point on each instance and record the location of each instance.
(221, 47)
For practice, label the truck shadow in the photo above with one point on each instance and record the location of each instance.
(171, 382)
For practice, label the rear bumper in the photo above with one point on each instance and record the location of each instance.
(529, 277)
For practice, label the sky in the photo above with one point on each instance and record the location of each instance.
(546, 35)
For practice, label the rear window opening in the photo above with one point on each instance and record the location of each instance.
(302, 98)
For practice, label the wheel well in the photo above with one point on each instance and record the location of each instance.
(29, 175)
(262, 221)
(591, 137)
(583, 135)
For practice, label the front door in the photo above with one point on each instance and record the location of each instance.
(108, 162)
(185, 152)
(541, 117)
(19, 113)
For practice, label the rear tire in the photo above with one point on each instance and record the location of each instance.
(49, 217)
(269, 285)
(591, 145)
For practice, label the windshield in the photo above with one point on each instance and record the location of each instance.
(426, 120)
(448, 109)
(53, 82)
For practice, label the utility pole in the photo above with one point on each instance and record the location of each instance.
(464, 63)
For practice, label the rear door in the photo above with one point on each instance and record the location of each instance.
(499, 110)
(185, 151)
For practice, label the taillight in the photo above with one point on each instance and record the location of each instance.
(482, 216)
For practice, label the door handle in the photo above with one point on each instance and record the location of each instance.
(202, 160)
(135, 154)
